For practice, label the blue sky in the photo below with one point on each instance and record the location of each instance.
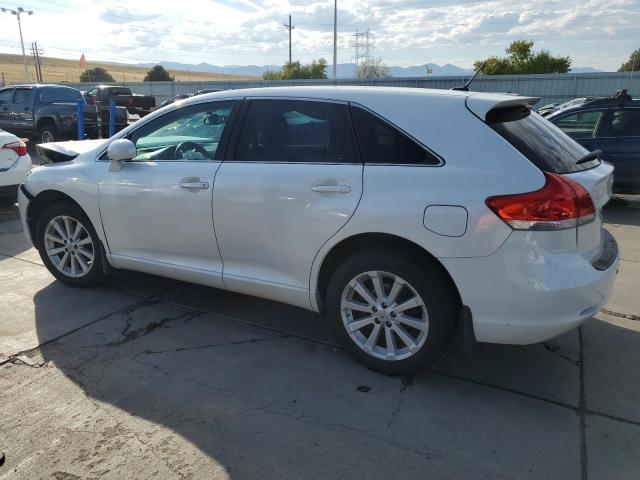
(595, 33)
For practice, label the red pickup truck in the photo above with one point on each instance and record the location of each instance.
(136, 104)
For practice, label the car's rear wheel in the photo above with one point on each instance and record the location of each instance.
(48, 132)
(69, 246)
(391, 312)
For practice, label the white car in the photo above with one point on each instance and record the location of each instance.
(413, 218)
(15, 164)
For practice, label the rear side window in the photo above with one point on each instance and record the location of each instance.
(6, 95)
(544, 144)
(382, 143)
(296, 131)
(23, 96)
(56, 94)
(580, 124)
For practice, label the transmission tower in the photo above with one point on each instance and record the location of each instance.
(362, 44)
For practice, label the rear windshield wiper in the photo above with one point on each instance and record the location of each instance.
(590, 156)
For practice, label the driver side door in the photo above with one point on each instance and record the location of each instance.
(157, 209)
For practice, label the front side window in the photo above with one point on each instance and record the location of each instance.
(6, 95)
(579, 124)
(296, 131)
(621, 123)
(191, 133)
(382, 143)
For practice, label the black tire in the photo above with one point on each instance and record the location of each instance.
(96, 266)
(47, 132)
(426, 278)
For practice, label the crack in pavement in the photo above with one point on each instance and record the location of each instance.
(628, 316)
(211, 345)
(556, 350)
(406, 382)
(581, 414)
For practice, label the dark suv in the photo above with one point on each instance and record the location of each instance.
(611, 125)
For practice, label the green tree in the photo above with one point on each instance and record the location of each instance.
(521, 59)
(97, 74)
(158, 74)
(296, 71)
(371, 68)
(633, 64)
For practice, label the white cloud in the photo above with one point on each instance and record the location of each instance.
(598, 33)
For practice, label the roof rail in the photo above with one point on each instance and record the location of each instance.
(617, 99)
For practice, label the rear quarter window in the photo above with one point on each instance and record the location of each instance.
(539, 140)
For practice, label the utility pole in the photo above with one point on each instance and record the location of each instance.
(335, 36)
(289, 27)
(17, 12)
(36, 52)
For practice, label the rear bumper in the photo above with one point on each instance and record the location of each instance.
(525, 294)
(17, 173)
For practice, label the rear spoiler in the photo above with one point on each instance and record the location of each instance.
(480, 104)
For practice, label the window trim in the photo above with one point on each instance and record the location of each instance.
(232, 155)
(400, 131)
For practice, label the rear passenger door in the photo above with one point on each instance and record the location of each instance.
(23, 109)
(291, 180)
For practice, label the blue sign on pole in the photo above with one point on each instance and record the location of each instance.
(112, 118)
(80, 118)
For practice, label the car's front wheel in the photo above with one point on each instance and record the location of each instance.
(69, 246)
(391, 312)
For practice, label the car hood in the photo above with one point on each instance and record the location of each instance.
(56, 152)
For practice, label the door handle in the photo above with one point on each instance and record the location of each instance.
(194, 185)
(331, 188)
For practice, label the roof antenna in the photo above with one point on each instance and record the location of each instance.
(465, 87)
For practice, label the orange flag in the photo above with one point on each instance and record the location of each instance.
(83, 61)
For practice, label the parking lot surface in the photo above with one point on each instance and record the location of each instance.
(145, 377)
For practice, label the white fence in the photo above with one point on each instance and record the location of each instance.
(551, 87)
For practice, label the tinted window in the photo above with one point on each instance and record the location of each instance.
(296, 131)
(380, 142)
(60, 95)
(544, 144)
(621, 123)
(191, 133)
(580, 124)
(6, 95)
(23, 96)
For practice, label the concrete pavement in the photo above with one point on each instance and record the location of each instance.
(145, 377)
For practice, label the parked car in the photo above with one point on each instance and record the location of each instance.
(554, 107)
(611, 125)
(136, 104)
(169, 101)
(48, 113)
(15, 164)
(362, 203)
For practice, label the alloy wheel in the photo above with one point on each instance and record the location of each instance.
(69, 246)
(384, 315)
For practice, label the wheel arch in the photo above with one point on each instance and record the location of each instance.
(346, 247)
(41, 201)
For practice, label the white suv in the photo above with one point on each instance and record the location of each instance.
(15, 164)
(413, 218)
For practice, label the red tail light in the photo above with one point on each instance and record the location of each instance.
(19, 147)
(562, 203)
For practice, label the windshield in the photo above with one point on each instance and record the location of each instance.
(544, 144)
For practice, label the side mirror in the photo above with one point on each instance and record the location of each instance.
(120, 151)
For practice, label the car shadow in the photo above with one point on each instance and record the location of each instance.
(12, 240)
(623, 210)
(261, 391)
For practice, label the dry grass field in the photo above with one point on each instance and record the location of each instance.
(55, 70)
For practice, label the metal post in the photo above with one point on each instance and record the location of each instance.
(80, 118)
(335, 36)
(112, 118)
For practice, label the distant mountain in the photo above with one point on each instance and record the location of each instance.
(343, 70)
(584, 70)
